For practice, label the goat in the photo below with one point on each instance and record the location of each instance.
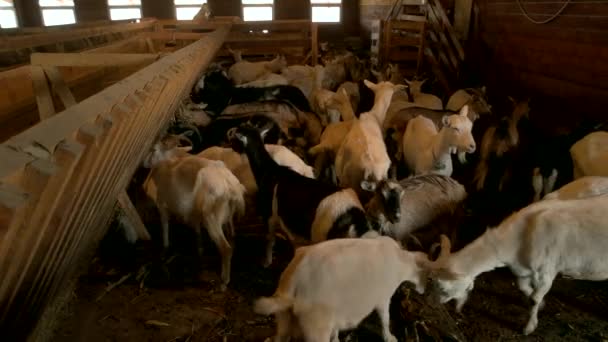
(217, 92)
(497, 140)
(590, 155)
(333, 285)
(475, 98)
(245, 71)
(583, 187)
(278, 186)
(420, 201)
(421, 99)
(537, 243)
(325, 152)
(199, 192)
(362, 160)
(352, 90)
(319, 99)
(238, 164)
(427, 151)
(267, 80)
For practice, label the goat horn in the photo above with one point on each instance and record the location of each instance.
(445, 247)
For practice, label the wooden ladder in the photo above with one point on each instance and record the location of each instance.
(417, 30)
(403, 36)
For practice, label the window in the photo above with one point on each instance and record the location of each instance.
(187, 9)
(8, 18)
(57, 12)
(125, 9)
(326, 11)
(257, 10)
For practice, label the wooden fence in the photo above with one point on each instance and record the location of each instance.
(60, 179)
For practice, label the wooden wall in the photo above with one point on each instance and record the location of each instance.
(562, 64)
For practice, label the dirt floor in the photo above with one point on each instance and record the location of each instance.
(174, 301)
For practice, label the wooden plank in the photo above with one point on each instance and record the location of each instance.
(407, 25)
(404, 41)
(13, 43)
(46, 108)
(59, 86)
(92, 59)
(403, 55)
(462, 17)
(150, 45)
(315, 43)
(132, 216)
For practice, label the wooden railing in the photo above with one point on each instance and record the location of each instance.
(60, 179)
(293, 38)
(16, 49)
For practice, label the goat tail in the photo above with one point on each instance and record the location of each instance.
(271, 305)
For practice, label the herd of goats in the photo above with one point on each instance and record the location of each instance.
(353, 164)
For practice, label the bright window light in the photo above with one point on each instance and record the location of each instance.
(63, 16)
(189, 2)
(8, 17)
(118, 13)
(187, 9)
(186, 13)
(258, 2)
(56, 3)
(257, 13)
(326, 14)
(124, 2)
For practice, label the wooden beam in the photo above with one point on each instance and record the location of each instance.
(59, 86)
(462, 17)
(46, 108)
(92, 59)
(315, 43)
(132, 216)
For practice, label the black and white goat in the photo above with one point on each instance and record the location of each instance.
(217, 91)
(294, 202)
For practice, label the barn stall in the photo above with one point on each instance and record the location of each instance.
(79, 121)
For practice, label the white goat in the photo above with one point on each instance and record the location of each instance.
(239, 163)
(587, 186)
(333, 285)
(427, 151)
(362, 160)
(537, 243)
(590, 155)
(199, 192)
(245, 71)
(421, 99)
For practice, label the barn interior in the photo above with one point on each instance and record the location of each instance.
(92, 89)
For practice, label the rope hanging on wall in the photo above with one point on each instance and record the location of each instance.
(542, 21)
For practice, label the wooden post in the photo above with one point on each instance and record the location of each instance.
(315, 43)
(132, 216)
(46, 108)
(59, 86)
(462, 17)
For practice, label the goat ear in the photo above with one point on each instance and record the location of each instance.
(368, 186)
(422, 82)
(511, 99)
(264, 131)
(483, 89)
(369, 84)
(407, 81)
(464, 111)
(185, 148)
(400, 87)
(445, 120)
(344, 92)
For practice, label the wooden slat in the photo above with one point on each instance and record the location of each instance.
(404, 41)
(46, 108)
(407, 25)
(92, 59)
(132, 216)
(59, 86)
